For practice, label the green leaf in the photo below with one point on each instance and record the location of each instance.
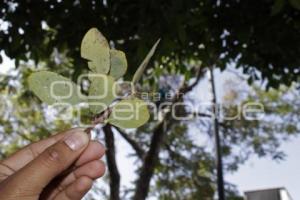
(138, 74)
(101, 93)
(53, 88)
(118, 64)
(95, 48)
(129, 113)
(295, 4)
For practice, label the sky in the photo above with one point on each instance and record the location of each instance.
(254, 174)
(264, 173)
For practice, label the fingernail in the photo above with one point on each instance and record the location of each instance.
(77, 140)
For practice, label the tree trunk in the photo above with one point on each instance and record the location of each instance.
(219, 164)
(114, 175)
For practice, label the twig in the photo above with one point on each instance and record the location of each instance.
(139, 151)
(199, 75)
(100, 118)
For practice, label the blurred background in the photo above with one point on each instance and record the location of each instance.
(225, 52)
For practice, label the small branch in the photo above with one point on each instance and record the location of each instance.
(152, 156)
(150, 161)
(139, 151)
(221, 124)
(100, 118)
(112, 163)
(199, 75)
(200, 114)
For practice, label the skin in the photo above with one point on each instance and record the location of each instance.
(51, 170)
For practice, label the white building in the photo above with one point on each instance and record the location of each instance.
(268, 194)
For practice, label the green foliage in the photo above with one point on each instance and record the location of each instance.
(138, 74)
(23, 118)
(253, 33)
(118, 64)
(262, 137)
(129, 113)
(102, 91)
(53, 88)
(259, 36)
(180, 169)
(95, 48)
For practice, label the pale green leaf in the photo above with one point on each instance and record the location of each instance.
(129, 113)
(95, 48)
(138, 74)
(53, 88)
(101, 93)
(118, 64)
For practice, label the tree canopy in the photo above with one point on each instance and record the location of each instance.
(260, 35)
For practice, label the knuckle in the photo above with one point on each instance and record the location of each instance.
(52, 157)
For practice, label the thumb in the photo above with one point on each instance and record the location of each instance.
(50, 163)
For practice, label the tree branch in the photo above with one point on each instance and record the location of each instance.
(199, 75)
(150, 161)
(112, 164)
(198, 114)
(152, 156)
(139, 151)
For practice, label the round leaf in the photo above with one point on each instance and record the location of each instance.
(53, 88)
(129, 113)
(95, 48)
(118, 64)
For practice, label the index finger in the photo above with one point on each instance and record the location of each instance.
(22, 157)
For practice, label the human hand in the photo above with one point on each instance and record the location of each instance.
(61, 167)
